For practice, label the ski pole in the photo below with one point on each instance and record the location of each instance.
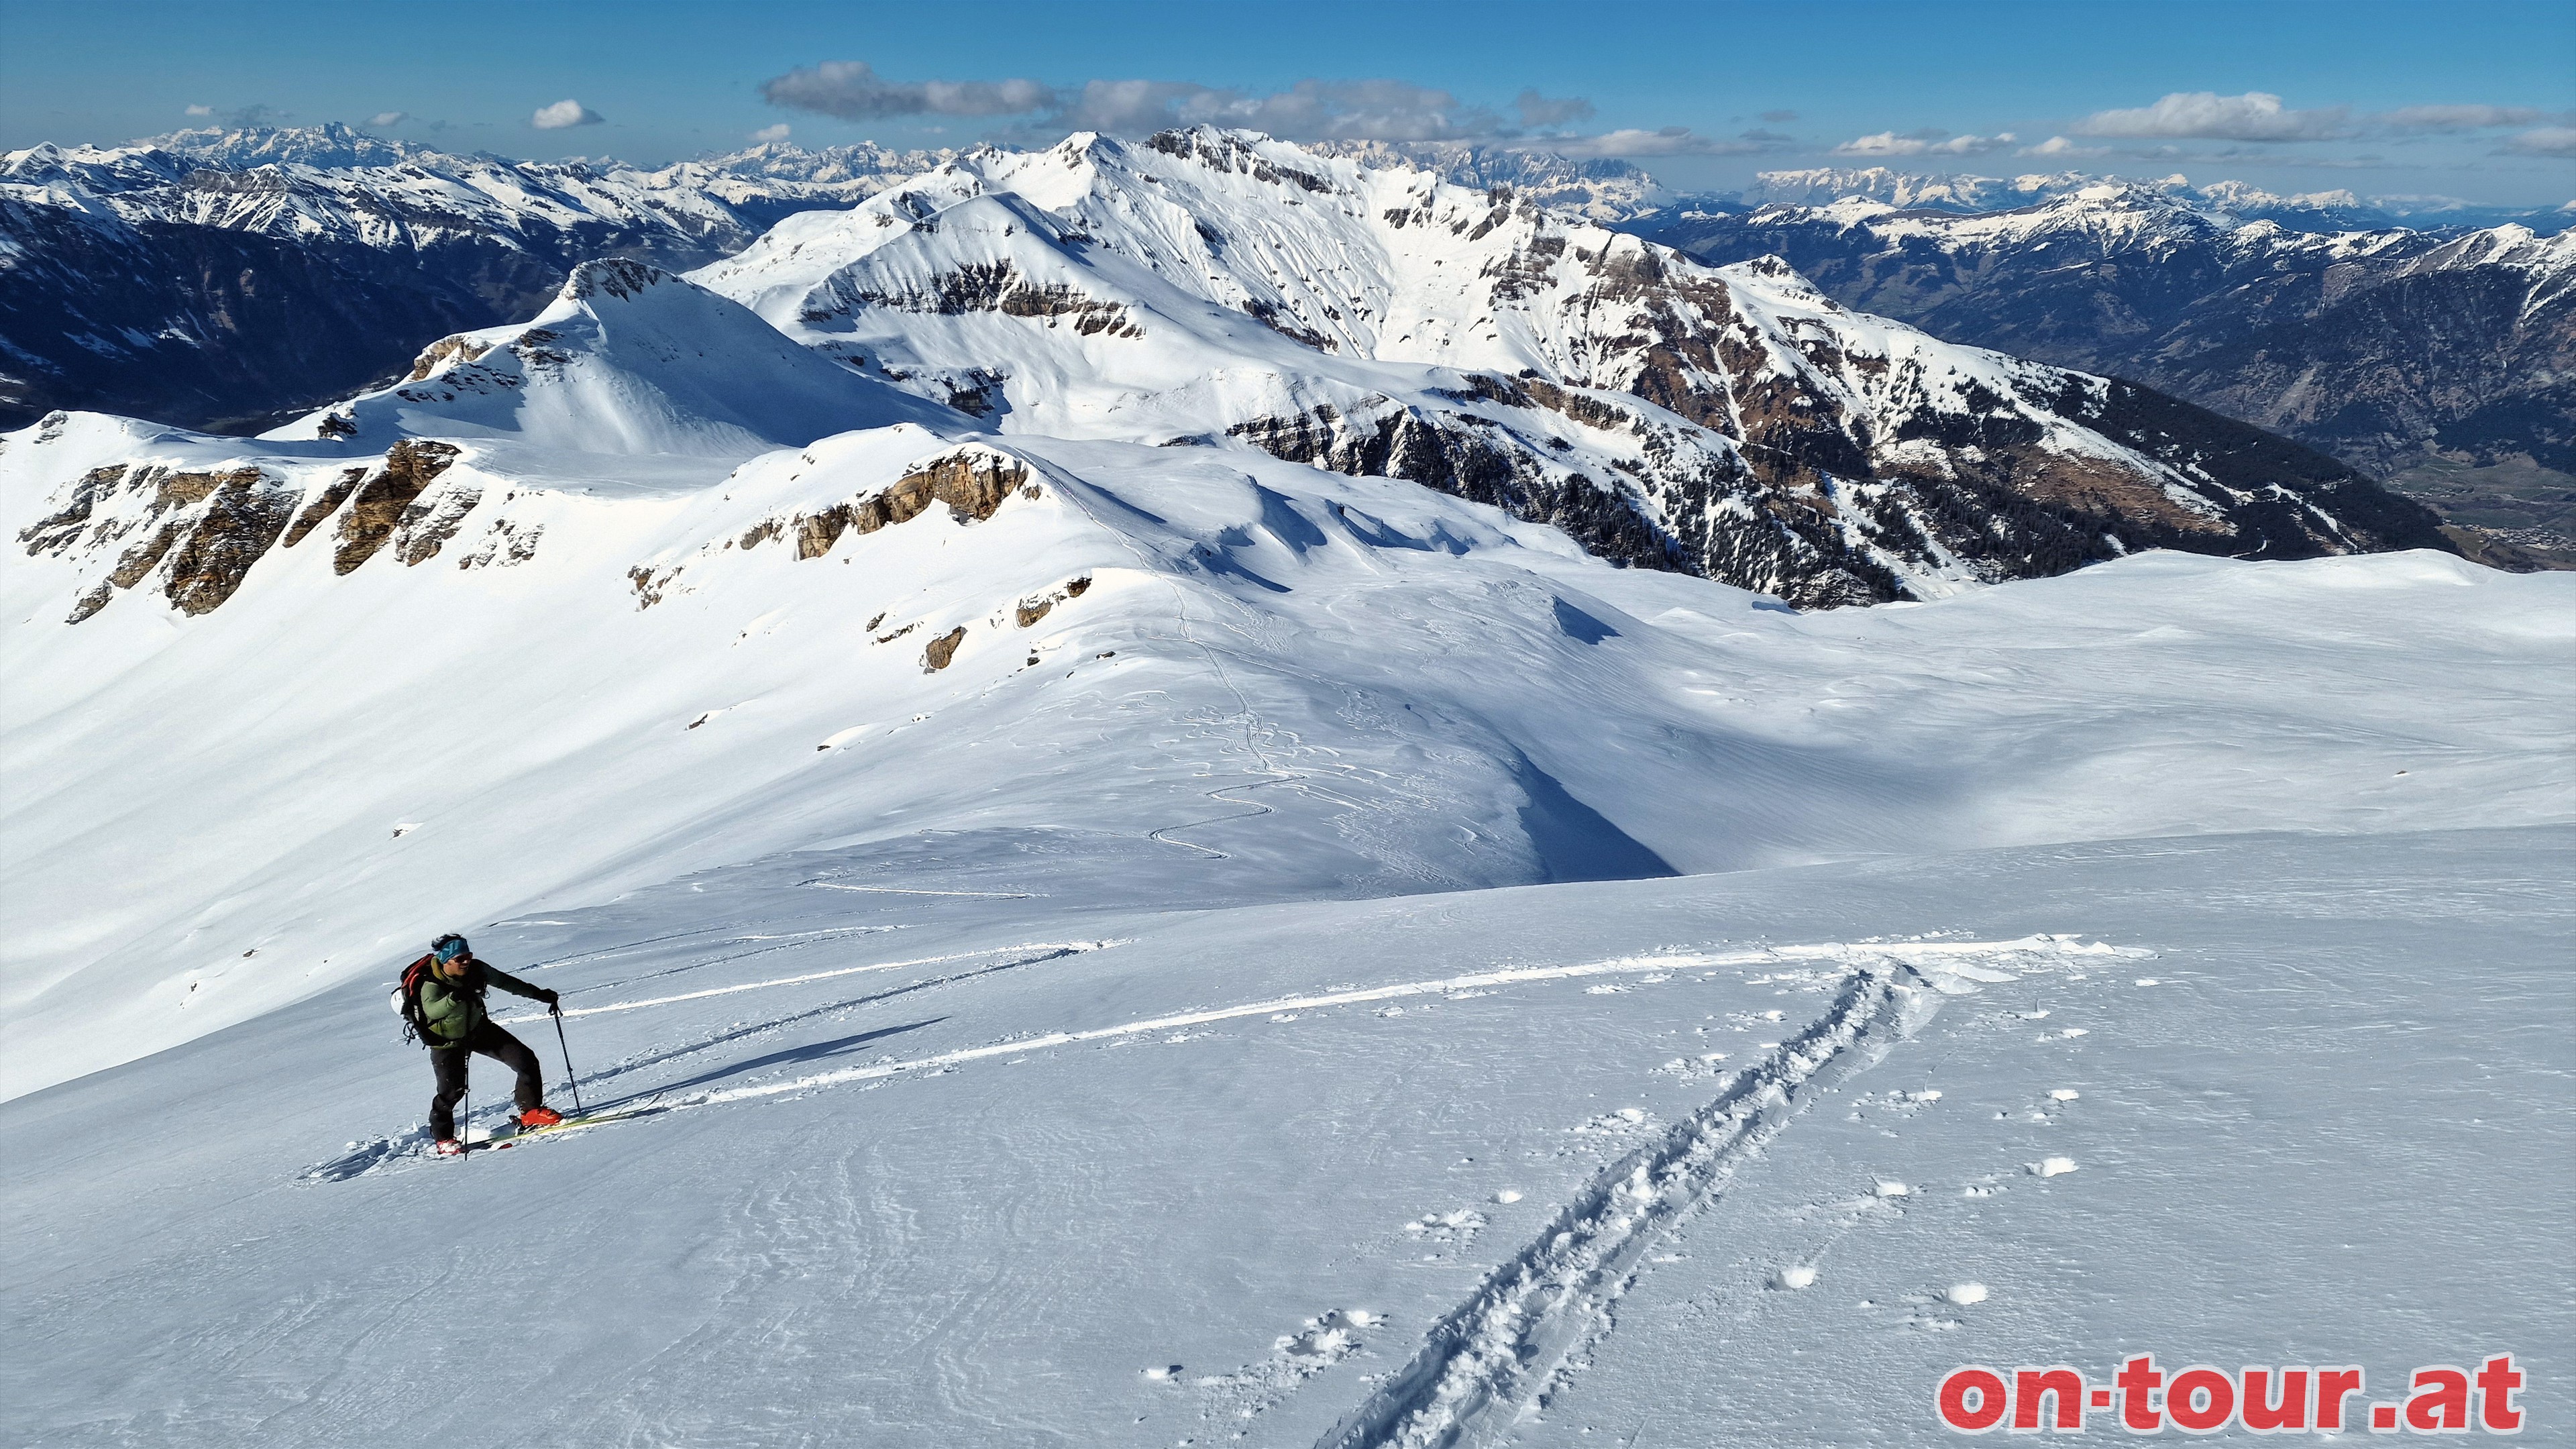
(572, 1079)
(465, 1127)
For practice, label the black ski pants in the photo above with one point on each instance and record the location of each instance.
(449, 1064)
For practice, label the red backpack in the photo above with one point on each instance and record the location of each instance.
(407, 1001)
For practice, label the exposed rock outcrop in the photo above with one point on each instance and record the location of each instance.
(972, 482)
(246, 512)
(410, 467)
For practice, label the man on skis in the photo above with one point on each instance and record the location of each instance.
(445, 1003)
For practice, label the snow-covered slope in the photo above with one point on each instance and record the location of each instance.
(1597, 189)
(1101, 938)
(1060, 1156)
(608, 668)
(629, 360)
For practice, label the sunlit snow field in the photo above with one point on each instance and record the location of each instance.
(2269, 1098)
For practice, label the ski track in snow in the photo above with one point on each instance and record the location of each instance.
(1499, 1351)
(908, 891)
(1521, 1333)
(1681, 1152)
(1060, 947)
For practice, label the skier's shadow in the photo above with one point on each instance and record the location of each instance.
(813, 1052)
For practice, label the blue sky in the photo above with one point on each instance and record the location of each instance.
(2474, 101)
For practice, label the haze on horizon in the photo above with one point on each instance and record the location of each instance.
(2383, 100)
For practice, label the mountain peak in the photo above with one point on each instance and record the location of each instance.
(616, 277)
(330, 145)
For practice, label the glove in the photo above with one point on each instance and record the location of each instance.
(549, 997)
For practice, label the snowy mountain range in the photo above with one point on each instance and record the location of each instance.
(227, 278)
(2333, 210)
(1215, 290)
(2383, 347)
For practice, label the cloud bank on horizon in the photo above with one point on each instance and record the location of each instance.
(2254, 124)
(1310, 110)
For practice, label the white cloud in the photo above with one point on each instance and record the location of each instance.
(1632, 143)
(1138, 105)
(382, 119)
(1310, 110)
(1539, 110)
(1923, 143)
(2460, 118)
(767, 135)
(2208, 116)
(2060, 146)
(853, 91)
(2544, 141)
(201, 110)
(564, 114)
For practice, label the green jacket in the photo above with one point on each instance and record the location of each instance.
(452, 1009)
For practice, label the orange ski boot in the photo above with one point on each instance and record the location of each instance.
(540, 1117)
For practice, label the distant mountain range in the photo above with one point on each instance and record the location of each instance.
(2425, 354)
(2335, 210)
(225, 279)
